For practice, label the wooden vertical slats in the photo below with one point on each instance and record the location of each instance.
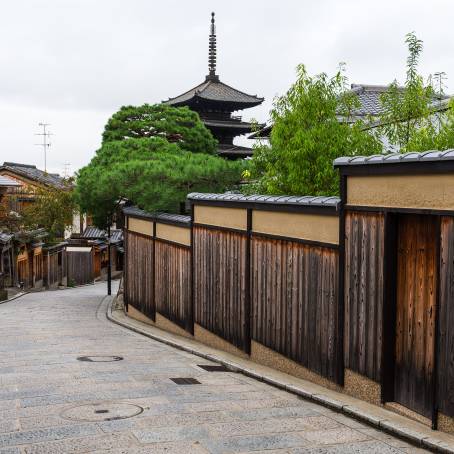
(80, 267)
(446, 319)
(173, 282)
(139, 273)
(220, 283)
(364, 252)
(294, 300)
(416, 307)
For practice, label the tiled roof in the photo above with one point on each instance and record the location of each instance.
(8, 182)
(94, 233)
(396, 158)
(230, 124)
(173, 218)
(159, 217)
(135, 211)
(369, 98)
(309, 201)
(234, 151)
(212, 89)
(5, 237)
(32, 173)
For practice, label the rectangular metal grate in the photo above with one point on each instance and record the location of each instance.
(213, 368)
(185, 381)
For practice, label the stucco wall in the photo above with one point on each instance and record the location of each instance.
(181, 235)
(402, 191)
(314, 227)
(233, 218)
(140, 226)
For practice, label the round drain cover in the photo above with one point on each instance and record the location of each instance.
(99, 359)
(102, 411)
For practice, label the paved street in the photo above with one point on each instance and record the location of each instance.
(51, 402)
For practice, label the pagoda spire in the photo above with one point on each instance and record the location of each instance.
(212, 50)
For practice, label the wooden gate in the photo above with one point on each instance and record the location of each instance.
(418, 237)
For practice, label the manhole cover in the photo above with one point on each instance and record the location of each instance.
(99, 359)
(102, 411)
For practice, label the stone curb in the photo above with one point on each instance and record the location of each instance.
(432, 443)
(15, 297)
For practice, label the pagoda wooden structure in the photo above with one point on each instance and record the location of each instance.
(215, 103)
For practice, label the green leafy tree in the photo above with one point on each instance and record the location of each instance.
(407, 110)
(180, 125)
(52, 209)
(151, 172)
(312, 125)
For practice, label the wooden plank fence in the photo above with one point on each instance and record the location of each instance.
(357, 292)
(79, 262)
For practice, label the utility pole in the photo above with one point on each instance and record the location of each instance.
(45, 144)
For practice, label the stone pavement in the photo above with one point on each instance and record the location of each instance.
(51, 402)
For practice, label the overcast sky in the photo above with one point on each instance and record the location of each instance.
(73, 63)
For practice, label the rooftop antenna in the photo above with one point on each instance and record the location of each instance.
(45, 144)
(212, 49)
(67, 167)
(440, 78)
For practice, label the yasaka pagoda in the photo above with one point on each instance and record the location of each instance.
(215, 102)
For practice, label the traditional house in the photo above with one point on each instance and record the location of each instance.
(54, 265)
(6, 259)
(215, 103)
(368, 110)
(98, 239)
(29, 258)
(27, 179)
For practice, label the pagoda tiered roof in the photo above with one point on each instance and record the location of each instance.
(213, 90)
(215, 101)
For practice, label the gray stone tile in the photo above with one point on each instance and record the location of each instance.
(227, 412)
(40, 435)
(252, 443)
(274, 412)
(182, 447)
(160, 434)
(183, 419)
(334, 436)
(9, 425)
(267, 426)
(84, 445)
(13, 450)
(369, 447)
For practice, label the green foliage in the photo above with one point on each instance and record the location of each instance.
(439, 135)
(180, 125)
(307, 136)
(9, 221)
(151, 172)
(406, 111)
(52, 209)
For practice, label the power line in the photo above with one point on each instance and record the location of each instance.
(45, 144)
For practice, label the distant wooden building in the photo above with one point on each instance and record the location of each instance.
(6, 259)
(29, 258)
(28, 179)
(215, 102)
(54, 265)
(25, 180)
(97, 238)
